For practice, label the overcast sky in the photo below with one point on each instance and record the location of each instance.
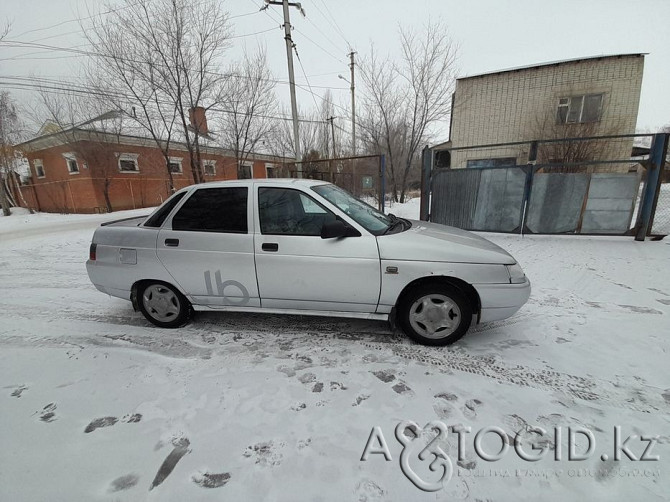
(491, 35)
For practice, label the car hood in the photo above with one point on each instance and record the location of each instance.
(432, 242)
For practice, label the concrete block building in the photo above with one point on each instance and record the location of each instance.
(593, 96)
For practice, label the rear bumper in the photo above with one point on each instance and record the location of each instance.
(500, 301)
(98, 274)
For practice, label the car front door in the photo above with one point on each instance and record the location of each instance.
(207, 246)
(297, 269)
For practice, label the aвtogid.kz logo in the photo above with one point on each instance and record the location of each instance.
(422, 446)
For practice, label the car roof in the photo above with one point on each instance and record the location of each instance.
(269, 181)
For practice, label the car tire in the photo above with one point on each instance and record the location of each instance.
(163, 305)
(435, 314)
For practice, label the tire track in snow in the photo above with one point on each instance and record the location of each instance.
(636, 397)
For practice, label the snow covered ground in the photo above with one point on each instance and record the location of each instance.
(96, 404)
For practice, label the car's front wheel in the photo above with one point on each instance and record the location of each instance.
(435, 314)
(163, 305)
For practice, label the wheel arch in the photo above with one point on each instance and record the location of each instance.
(464, 287)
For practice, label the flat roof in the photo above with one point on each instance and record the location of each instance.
(556, 63)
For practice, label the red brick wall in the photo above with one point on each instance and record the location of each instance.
(60, 191)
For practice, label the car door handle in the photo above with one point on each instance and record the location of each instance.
(172, 242)
(270, 246)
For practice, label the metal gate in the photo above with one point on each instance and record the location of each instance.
(547, 196)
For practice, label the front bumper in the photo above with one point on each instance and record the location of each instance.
(500, 301)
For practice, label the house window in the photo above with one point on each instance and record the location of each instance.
(72, 166)
(497, 162)
(244, 171)
(209, 167)
(39, 168)
(128, 163)
(175, 165)
(579, 109)
(270, 171)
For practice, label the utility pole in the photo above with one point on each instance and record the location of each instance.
(353, 106)
(332, 133)
(289, 55)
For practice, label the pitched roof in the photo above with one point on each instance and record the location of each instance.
(555, 63)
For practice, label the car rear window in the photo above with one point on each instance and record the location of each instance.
(157, 219)
(214, 210)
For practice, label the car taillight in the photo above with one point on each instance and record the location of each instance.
(91, 252)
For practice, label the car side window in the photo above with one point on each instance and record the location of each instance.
(285, 211)
(214, 210)
(159, 216)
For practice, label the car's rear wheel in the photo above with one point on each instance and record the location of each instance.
(435, 314)
(162, 304)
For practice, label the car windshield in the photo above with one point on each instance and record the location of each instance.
(367, 216)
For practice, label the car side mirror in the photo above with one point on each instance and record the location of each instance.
(338, 229)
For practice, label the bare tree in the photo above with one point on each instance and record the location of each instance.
(311, 130)
(162, 55)
(86, 126)
(403, 100)
(575, 144)
(249, 102)
(8, 155)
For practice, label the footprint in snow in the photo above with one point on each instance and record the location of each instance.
(48, 413)
(385, 376)
(210, 480)
(123, 483)
(19, 390)
(100, 422)
(470, 408)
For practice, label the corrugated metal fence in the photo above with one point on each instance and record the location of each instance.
(547, 196)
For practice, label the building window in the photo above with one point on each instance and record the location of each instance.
(71, 163)
(175, 165)
(579, 109)
(270, 171)
(39, 168)
(128, 163)
(72, 166)
(209, 167)
(244, 171)
(497, 162)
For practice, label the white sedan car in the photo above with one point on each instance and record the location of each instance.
(303, 247)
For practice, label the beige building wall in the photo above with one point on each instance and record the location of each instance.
(521, 105)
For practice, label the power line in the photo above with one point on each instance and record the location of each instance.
(337, 30)
(87, 91)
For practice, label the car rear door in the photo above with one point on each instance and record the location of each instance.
(297, 269)
(207, 246)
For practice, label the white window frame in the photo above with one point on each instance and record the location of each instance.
(39, 162)
(177, 160)
(206, 164)
(270, 165)
(250, 165)
(71, 157)
(567, 103)
(128, 157)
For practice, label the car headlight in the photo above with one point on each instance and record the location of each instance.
(516, 275)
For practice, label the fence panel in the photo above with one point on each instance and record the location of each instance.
(556, 202)
(454, 197)
(499, 200)
(610, 204)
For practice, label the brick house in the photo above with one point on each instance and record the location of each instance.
(593, 96)
(90, 169)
